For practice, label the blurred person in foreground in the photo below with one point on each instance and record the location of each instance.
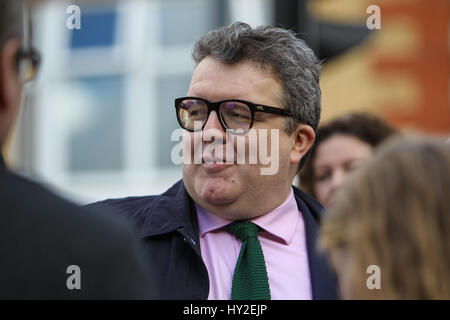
(227, 230)
(341, 146)
(394, 213)
(49, 248)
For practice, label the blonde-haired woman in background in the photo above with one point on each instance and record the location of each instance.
(394, 213)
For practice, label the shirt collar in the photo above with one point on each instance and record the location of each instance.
(280, 223)
(208, 222)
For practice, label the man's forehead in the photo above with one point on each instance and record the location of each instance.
(244, 68)
(243, 79)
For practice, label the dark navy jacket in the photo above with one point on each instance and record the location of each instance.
(169, 228)
(41, 235)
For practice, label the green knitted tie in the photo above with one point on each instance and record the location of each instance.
(250, 280)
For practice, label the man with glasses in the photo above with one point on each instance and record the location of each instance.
(49, 248)
(227, 231)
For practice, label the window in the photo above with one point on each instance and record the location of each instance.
(98, 29)
(97, 144)
(103, 109)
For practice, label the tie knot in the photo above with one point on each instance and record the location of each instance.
(243, 230)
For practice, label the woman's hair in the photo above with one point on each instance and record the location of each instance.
(364, 126)
(394, 212)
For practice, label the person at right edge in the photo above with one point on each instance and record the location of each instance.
(388, 233)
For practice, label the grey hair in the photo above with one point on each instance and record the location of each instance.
(11, 20)
(276, 50)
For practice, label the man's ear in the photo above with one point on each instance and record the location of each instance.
(303, 139)
(10, 84)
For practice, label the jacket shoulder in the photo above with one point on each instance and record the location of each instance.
(34, 208)
(317, 210)
(39, 223)
(131, 208)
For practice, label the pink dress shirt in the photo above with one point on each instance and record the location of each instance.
(283, 242)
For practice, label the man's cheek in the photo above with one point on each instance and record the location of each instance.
(192, 148)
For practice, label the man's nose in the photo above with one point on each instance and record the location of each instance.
(213, 124)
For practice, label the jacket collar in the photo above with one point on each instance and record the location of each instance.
(172, 210)
(315, 208)
(175, 209)
(323, 282)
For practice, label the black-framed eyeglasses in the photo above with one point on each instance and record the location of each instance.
(28, 62)
(236, 116)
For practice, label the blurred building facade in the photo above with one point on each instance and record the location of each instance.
(98, 121)
(401, 72)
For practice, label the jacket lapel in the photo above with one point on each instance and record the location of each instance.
(323, 282)
(174, 210)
